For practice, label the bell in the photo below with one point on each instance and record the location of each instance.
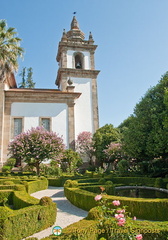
(78, 65)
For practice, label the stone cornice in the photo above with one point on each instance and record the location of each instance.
(40, 95)
(73, 72)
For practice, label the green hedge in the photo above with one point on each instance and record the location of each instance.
(6, 194)
(91, 230)
(149, 209)
(59, 182)
(22, 199)
(14, 187)
(37, 185)
(109, 189)
(149, 230)
(82, 230)
(133, 181)
(80, 198)
(33, 215)
(25, 222)
(15, 181)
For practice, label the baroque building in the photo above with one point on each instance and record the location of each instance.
(68, 110)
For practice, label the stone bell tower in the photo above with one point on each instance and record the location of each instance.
(77, 69)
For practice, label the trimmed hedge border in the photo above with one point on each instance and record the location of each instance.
(88, 229)
(149, 209)
(26, 221)
(37, 185)
(22, 199)
(33, 215)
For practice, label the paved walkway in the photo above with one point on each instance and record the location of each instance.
(66, 212)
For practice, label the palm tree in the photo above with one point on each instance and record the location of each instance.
(10, 50)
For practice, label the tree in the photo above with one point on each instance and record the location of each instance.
(102, 138)
(113, 153)
(23, 74)
(28, 82)
(37, 145)
(146, 136)
(84, 145)
(10, 50)
(70, 161)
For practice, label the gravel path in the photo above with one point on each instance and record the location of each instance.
(66, 212)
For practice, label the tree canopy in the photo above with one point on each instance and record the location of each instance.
(146, 131)
(27, 82)
(10, 50)
(102, 138)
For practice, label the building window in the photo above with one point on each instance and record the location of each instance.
(17, 126)
(45, 122)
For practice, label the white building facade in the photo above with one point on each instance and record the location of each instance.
(68, 110)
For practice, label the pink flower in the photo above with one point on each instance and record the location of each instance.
(116, 202)
(139, 237)
(118, 216)
(121, 222)
(98, 197)
(121, 211)
(134, 218)
(121, 215)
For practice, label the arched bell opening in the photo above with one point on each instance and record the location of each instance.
(79, 61)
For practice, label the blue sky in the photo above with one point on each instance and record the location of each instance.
(132, 39)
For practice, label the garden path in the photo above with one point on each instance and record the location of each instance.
(66, 212)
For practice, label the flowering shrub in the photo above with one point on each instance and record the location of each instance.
(116, 222)
(84, 144)
(36, 145)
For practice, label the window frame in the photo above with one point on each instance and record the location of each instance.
(48, 118)
(13, 125)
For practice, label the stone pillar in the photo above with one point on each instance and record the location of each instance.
(64, 58)
(95, 105)
(92, 64)
(2, 100)
(71, 124)
(7, 129)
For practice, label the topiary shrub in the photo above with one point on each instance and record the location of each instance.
(95, 213)
(45, 201)
(102, 181)
(108, 183)
(71, 184)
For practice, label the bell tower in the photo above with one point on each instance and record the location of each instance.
(75, 58)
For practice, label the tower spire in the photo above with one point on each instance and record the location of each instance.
(74, 23)
(75, 32)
